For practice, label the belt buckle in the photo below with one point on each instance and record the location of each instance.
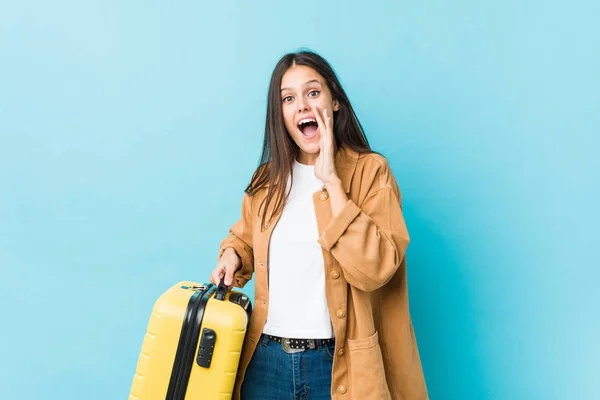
(285, 343)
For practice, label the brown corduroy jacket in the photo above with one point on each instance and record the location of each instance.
(376, 355)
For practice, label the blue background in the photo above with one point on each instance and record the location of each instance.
(128, 131)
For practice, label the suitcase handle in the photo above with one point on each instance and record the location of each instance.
(222, 290)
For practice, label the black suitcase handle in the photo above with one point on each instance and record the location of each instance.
(222, 290)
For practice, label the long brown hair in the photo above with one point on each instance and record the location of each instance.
(279, 149)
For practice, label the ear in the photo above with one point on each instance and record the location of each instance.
(336, 105)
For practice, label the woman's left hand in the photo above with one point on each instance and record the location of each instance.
(325, 164)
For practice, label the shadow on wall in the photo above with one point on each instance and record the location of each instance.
(442, 308)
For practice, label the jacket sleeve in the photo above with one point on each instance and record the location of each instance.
(240, 239)
(369, 241)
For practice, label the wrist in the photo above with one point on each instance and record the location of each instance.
(333, 183)
(230, 252)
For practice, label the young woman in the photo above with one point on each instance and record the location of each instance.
(322, 232)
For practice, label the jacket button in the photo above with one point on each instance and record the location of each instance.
(342, 389)
(335, 274)
(324, 196)
(341, 314)
(261, 264)
(341, 352)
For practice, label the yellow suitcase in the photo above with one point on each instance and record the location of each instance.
(193, 343)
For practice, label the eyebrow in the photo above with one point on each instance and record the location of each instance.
(305, 84)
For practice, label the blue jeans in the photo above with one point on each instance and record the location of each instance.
(274, 374)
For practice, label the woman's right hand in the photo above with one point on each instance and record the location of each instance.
(226, 267)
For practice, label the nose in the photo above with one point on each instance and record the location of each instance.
(302, 105)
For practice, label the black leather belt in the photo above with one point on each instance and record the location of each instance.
(301, 344)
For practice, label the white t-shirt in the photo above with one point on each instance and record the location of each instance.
(297, 302)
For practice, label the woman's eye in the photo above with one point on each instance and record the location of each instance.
(287, 98)
(313, 93)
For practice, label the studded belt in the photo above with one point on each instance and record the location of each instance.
(301, 344)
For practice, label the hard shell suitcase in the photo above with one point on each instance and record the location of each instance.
(193, 343)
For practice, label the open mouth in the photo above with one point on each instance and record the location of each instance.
(308, 127)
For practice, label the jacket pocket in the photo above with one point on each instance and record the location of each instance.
(367, 373)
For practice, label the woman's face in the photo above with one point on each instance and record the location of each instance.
(303, 94)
